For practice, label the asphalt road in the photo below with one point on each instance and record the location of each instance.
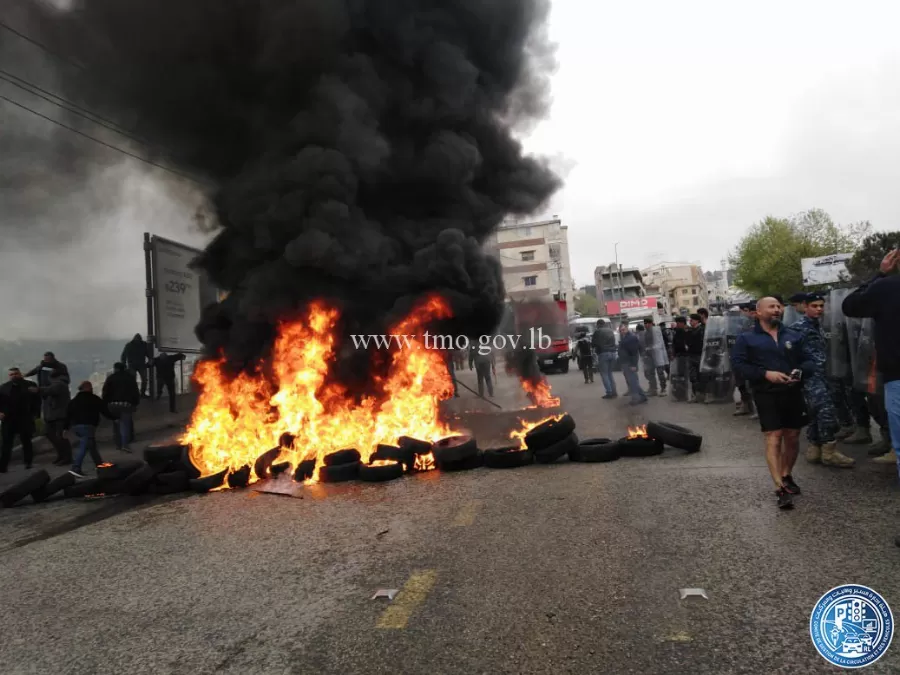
(570, 568)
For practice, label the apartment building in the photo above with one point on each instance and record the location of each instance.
(534, 256)
(682, 284)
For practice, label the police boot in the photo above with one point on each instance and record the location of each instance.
(831, 456)
(890, 457)
(880, 447)
(813, 453)
(844, 433)
(860, 436)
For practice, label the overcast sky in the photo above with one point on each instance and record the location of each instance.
(689, 121)
(681, 124)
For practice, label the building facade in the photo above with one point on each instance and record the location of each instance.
(615, 283)
(534, 256)
(682, 284)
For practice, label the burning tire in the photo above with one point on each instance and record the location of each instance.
(340, 473)
(207, 483)
(405, 455)
(54, 486)
(119, 470)
(381, 470)
(278, 469)
(511, 457)
(454, 449)
(418, 447)
(473, 462)
(348, 456)
(305, 470)
(596, 450)
(264, 462)
(551, 453)
(138, 481)
(675, 436)
(91, 486)
(156, 455)
(551, 432)
(22, 489)
(639, 447)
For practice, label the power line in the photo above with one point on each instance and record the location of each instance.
(71, 107)
(47, 49)
(103, 143)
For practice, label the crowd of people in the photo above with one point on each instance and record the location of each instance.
(44, 393)
(787, 370)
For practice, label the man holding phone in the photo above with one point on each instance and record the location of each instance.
(770, 359)
(823, 420)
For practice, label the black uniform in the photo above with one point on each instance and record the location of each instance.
(20, 407)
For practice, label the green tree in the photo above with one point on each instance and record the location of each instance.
(586, 302)
(868, 257)
(767, 259)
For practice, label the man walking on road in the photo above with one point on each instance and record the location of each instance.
(823, 421)
(165, 374)
(121, 396)
(879, 299)
(630, 359)
(54, 409)
(20, 405)
(769, 358)
(604, 341)
(135, 356)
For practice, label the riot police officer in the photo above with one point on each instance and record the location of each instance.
(823, 423)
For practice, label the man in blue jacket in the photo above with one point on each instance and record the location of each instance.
(823, 418)
(630, 360)
(879, 299)
(770, 359)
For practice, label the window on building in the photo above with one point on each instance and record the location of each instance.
(696, 302)
(684, 291)
(527, 255)
(526, 231)
(530, 281)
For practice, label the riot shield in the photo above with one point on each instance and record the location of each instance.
(861, 344)
(656, 347)
(834, 325)
(678, 377)
(790, 316)
(715, 355)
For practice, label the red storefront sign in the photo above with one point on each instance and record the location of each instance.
(614, 307)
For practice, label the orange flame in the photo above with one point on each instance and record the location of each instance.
(519, 434)
(237, 419)
(638, 432)
(425, 462)
(539, 394)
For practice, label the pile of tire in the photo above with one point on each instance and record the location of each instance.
(552, 439)
(166, 469)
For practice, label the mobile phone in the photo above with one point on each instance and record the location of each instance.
(796, 374)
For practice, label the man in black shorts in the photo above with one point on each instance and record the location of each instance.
(770, 358)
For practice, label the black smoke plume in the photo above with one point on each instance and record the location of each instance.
(361, 150)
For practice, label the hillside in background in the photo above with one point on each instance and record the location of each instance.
(83, 357)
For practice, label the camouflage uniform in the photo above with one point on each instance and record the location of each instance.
(817, 389)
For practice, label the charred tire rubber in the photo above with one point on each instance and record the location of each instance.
(264, 462)
(551, 453)
(278, 469)
(138, 481)
(675, 436)
(119, 470)
(454, 449)
(239, 478)
(348, 456)
(380, 473)
(639, 447)
(160, 455)
(511, 457)
(549, 433)
(207, 483)
(23, 488)
(178, 480)
(406, 456)
(418, 447)
(467, 464)
(305, 470)
(340, 473)
(91, 486)
(595, 450)
(54, 486)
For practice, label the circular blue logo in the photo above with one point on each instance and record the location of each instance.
(851, 626)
